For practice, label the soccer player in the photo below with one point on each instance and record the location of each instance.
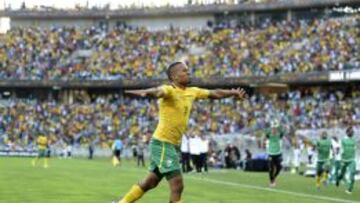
(175, 102)
(336, 158)
(348, 150)
(42, 143)
(274, 137)
(323, 147)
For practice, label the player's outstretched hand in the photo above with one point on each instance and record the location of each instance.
(240, 93)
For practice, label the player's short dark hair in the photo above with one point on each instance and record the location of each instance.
(170, 69)
(349, 130)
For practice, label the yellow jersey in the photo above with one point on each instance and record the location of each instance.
(174, 112)
(42, 142)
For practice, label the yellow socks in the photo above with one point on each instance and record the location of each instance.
(46, 163)
(33, 162)
(115, 161)
(318, 180)
(134, 194)
(325, 177)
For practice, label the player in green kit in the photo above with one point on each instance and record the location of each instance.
(348, 150)
(323, 147)
(175, 103)
(274, 137)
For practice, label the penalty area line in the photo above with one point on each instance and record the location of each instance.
(318, 197)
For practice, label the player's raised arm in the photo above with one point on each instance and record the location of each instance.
(265, 137)
(224, 93)
(154, 92)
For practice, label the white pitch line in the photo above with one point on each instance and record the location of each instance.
(276, 190)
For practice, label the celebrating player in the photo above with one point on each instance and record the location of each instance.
(175, 102)
(323, 147)
(274, 149)
(348, 150)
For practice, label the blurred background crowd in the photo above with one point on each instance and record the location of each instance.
(123, 52)
(100, 119)
(129, 4)
(230, 45)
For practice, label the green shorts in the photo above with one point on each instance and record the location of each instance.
(322, 166)
(42, 153)
(164, 159)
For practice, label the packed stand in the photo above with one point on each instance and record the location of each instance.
(98, 53)
(100, 119)
(132, 4)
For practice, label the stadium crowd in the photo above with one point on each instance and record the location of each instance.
(131, 4)
(101, 119)
(123, 52)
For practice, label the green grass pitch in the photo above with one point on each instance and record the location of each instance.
(85, 181)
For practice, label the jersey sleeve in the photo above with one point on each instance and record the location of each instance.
(201, 93)
(167, 90)
(316, 143)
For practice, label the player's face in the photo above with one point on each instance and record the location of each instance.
(274, 130)
(182, 74)
(324, 135)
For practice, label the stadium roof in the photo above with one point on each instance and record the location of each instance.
(174, 11)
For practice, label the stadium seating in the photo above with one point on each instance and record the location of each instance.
(98, 53)
(104, 117)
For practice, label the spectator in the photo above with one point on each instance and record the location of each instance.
(232, 156)
(195, 144)
(204, 150)
(266, 49)
(140, 153)
(185, 154)
(91, 150)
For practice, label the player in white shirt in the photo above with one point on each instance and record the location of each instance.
(204, 150)
(296, 158)
(195, 143)
(336, 158)
(185, 154)
(310, 153)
